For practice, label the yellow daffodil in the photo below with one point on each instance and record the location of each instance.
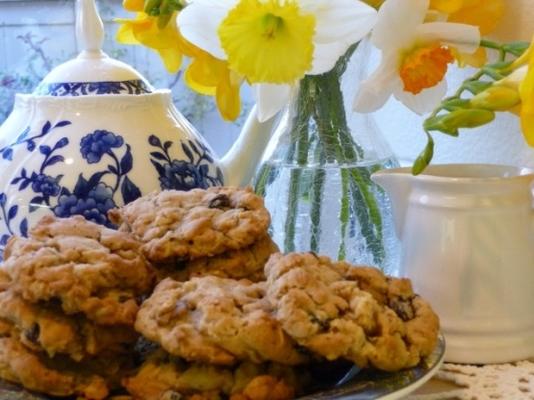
(514, 93)
(274, 43)
(274, 31)
(520, 82)
(415, 56)
(485, 14)
(526, 92)
(210, 76)
(144, 30)
(446, 6)
(133, 5)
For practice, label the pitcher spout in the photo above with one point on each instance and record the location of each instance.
(241, 161)
(398, 185)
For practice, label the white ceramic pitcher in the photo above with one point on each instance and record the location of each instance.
(467, 236)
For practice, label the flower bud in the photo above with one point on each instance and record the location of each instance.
(496, 98)
(467, 118)
(515, 78)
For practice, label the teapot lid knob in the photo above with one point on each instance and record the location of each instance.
(89, 27)
(92, 72)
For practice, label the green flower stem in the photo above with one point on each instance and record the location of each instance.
(344, 212)
(334, 133)
(299, 146)
(320, 133)
(263, 179)
(316, 199)
(352, 152)
(292, 209)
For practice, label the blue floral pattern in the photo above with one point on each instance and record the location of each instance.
(184, 174)
(92, 88)
(95, 145)
(8, 215)
(7, 152)
(91, 197)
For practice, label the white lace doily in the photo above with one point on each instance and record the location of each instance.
(514, 381)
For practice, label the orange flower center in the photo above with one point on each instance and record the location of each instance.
(424, 67)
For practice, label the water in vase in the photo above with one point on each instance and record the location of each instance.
(333, 210)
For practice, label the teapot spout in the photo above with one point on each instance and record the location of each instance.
(241, 161)
(398, 185)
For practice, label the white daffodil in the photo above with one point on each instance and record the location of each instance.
(415, 56)
(274, 43)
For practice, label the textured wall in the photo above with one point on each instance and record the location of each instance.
(500, 142)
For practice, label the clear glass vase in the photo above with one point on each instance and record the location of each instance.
(315, 173)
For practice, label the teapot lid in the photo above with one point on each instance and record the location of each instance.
(93, 72)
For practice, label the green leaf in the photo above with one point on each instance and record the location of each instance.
(424, 158)
(516, 48)
(475, 87)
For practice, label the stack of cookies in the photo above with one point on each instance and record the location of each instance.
(221, 338)
(217, 335)
(307, 308)
(69, 296)
(221, 231)
(230, 319)
(218, 340)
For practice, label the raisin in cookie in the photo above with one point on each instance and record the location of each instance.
(199, 223)
(331, 315)
(247, 263)
(163, 377)
(86, 267)
(215, 320)
(20, 365)
(41, 328)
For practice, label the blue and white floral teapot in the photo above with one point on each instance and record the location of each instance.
(95, 135)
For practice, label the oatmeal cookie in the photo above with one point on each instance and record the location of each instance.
(42, 328)
(19, 365)
(215, 320)
(86, 267)
(326, 312)
(199, 223)
(161, 377)
(5, 280)
(5, 328)
(247, 263)
(422, 324)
